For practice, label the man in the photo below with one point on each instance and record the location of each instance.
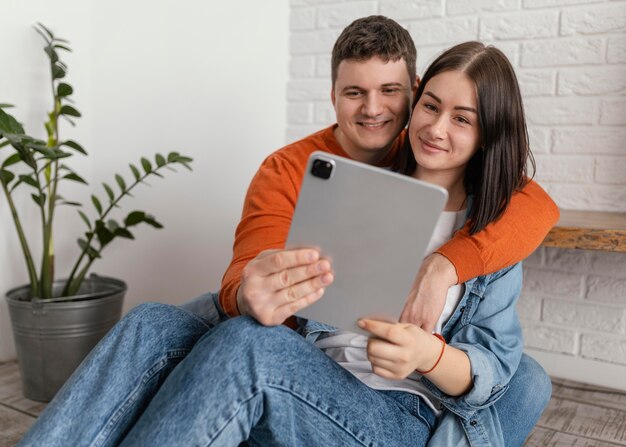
(374, 82)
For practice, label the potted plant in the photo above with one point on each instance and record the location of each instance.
(57, 322)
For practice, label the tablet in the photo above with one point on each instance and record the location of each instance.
(374, 225)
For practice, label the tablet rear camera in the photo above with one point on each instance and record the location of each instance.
(322, 169)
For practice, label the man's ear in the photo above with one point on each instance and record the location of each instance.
(332, 95)
(416, 84)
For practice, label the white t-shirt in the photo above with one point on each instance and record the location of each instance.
(350, 349)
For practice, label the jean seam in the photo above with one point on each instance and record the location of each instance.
(104, 434)
(299, 397)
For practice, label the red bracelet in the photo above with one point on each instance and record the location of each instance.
(443, 348)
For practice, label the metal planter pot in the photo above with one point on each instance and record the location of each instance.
(53, 336)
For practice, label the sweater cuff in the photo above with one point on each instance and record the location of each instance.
(464, 256)
(228, 300)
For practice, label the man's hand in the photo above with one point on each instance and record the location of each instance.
(278, 283)
(427, 298)
(398, 349)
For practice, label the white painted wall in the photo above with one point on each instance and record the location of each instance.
(570, 57)
(203, 78)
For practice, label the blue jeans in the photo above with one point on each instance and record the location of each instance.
(121, 392)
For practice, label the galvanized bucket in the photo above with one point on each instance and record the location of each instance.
(53, 336)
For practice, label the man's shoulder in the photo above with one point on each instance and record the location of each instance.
(297, 153)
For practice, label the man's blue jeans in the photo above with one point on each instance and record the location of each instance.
(164, 376)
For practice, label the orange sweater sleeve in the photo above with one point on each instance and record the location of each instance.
(266, 217)
(514, 236)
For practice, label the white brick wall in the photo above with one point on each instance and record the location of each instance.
(574, 302)
(570, 57)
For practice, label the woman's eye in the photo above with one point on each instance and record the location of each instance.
(462, 120)
(430, 107)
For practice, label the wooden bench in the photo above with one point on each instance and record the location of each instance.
(589, 230)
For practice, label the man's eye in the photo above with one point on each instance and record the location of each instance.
(391, 91)
(353, 93)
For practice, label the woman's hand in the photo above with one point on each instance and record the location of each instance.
(427, 298)
(395, 350)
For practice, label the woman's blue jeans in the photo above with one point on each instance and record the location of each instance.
(166, 376)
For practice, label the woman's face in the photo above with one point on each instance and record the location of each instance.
(444, 130)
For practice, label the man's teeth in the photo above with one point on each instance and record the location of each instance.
(373, 125)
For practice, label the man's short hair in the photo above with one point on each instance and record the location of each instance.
(374, 36)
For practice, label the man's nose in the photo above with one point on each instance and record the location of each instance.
(373, 105)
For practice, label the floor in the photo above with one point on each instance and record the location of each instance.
(578, 415)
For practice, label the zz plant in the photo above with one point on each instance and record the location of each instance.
(42, 165)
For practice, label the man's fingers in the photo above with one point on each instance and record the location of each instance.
(289, 277)
(287, 310)
(302, 289)
(275, 262)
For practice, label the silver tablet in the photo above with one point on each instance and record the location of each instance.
(374, 225)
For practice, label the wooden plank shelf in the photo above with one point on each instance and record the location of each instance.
(589, 230)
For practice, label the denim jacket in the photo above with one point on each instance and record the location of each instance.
(486, 327)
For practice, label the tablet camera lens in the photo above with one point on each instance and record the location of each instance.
(322, 169)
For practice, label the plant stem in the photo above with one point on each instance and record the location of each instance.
(72, 284)
(30, 265)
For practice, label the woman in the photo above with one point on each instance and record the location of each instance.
(274, 387)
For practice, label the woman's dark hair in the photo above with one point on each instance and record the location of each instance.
(499, 167)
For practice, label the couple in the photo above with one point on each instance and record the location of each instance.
(197, 376)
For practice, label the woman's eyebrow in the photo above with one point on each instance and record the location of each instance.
(436, 98)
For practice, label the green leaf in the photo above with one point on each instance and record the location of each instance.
(71, 203)
(69, 110)
(172, 157)
(6, 177)
(120, 182)
(91, 252)
(68, 120)
(146, 165)
(62, 47)
(4, 143)
(75, 177)
(103, 234)
(64, 89)
(134, 218)
(52, 54)
(74, 145)
(46, 30)
(136, 172)
(109, 191)
(150, 220)
(112, 225)
(4, 105)
(85, 219)
(123, 232)
(29, 181)
(15, 158)
(40, 199)
(160, 160)
(9, 125)
(58, 72)
(96, 204)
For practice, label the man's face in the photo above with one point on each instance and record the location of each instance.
(372, 101)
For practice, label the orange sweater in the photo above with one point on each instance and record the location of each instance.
(273, 193)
